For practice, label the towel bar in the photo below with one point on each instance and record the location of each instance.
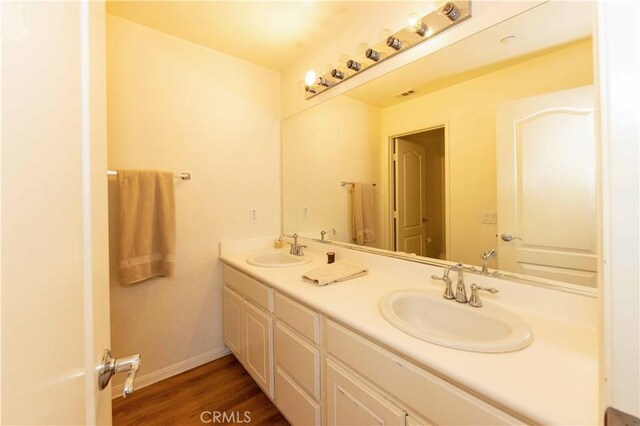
(181, 175)
(345, 183)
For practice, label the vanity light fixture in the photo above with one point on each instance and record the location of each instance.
(323, 82)
(418, 29)
(394, 43)
(451, 11)
(353, 65)
(373, 55)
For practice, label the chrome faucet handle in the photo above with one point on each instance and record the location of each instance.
(448, 292)
(474, 300)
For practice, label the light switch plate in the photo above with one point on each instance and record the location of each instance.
(489, 217)
(305, 213)
(253, 215)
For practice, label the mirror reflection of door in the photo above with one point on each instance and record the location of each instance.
(546, 186)
(419, 209)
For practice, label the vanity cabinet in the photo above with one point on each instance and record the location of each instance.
(318, 371)
(247, 307)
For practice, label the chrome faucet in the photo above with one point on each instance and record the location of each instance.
(491, 254)
(323, 233)
(296, 249)
(461, 290)
(448, 293)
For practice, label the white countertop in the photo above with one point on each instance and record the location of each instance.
(553, 381)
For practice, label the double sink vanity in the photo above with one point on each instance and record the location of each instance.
(388, 348)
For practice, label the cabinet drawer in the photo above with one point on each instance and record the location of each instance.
(300, 318)
(352, 402)
(292, 401)
(257, 292)
(300, 359)
(427, 394)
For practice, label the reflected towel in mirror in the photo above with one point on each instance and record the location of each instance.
(363, 213)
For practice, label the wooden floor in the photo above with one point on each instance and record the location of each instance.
(222, 385)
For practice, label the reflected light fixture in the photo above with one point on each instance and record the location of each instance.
(353, 65)
(394, 43)
(373, 55)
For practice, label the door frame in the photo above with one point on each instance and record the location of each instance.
(391, 220)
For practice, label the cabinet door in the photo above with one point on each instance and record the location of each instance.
(350, 402)
(232, 321)
(258, 346)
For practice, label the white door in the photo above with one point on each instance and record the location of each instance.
(410, 168)
(55, 287)
(546, 159)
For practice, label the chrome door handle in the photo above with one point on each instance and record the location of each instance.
(508, 237)
(110, 366)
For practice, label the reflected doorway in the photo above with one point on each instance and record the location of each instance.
(418, 219)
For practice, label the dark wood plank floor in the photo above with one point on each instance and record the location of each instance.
(222, 385)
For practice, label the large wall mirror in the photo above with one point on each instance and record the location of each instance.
(482, 152)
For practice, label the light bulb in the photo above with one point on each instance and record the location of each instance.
(416, 25)
(310, 78)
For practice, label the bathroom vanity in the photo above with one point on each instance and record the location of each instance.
(326, 355)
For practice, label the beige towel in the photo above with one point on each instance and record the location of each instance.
(363, 213)
(334, 272)
(146, 225)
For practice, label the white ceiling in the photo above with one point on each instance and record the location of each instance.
(273, 34)
(549, 25)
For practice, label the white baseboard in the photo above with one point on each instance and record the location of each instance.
(172, 370)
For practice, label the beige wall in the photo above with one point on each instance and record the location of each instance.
(333, 142)
(469, 111)
(177, 106)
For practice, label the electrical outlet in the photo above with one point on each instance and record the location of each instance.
(253, 215)
(305, 213)
(489, 217)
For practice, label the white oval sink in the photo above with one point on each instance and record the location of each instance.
(455, 325)
(277, 259)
